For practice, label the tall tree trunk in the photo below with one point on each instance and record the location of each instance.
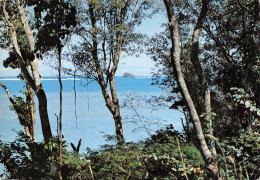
(60, 116)
(175, 60)
(258, 86)
(201, 76)
(34, 82)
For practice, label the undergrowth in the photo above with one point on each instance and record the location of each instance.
(165, 155)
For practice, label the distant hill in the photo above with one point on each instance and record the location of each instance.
(128, 75)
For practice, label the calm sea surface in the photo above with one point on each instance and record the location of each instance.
(93, 118)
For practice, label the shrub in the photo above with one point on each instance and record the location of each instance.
(25, 159)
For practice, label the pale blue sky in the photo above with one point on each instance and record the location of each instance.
(140, 66)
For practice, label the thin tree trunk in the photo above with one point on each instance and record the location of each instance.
(199, 71)
(175, 60)
(60, 116)
(258, 86)
(75, 98)
(34, 82)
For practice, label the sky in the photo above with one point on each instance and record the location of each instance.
(141, 66)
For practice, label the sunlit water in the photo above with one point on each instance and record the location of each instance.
(93, 118)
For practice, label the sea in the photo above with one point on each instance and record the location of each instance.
(90, 120)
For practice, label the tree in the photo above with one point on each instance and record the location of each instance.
(26, 116)
(175, 62)
(33, 79)
(187, 13)
(54, 21)
(231, 44)
(107, 29)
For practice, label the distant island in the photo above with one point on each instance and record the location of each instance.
(128, 75)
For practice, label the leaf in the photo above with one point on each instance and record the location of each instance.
(247, 103)
(252, 108)
(203, 114)
(207, 118)
(174, 169)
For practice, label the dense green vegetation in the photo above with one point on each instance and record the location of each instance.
(208, 56)
(166, 155)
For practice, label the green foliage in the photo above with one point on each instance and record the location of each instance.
(21, 109)
(24, 159)
(112, 163)
(11, 61)
(241, 156)
(157, 157)
(162, 156)
(54, 21)
(22, 106)
(247, 100)
(74, 166)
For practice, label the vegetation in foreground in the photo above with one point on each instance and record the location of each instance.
(166, 155)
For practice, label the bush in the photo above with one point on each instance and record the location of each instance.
(162, 156)
(241, 156)
(74, 166)
(25, 159)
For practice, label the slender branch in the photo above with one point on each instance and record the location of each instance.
(75, 98)
(60, 116)
(14, 103)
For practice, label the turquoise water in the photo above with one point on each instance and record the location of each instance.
(93, 118)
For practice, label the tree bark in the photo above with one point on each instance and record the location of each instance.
(60, 116)
(116, 113)
(201, 76)
(258, 86)
(31, 106)
(43, 110)
(34, 82)
(175, 61)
